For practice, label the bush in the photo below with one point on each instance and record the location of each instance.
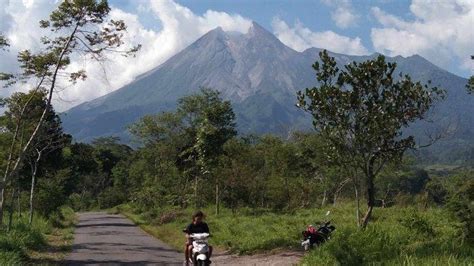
(22, 237)
(415, 222)
(27, 236)
(49, 197)
(356, 247)
(461, 204)
(81, 202)
(111, 197)
(11, 258)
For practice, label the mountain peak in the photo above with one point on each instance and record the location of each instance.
(258, 31)
(214, 32)
(217, 34)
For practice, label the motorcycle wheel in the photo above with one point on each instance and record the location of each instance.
(202, 263)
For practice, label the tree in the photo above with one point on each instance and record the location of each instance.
(49, 139)
(192, 137)
(362, 111)
(79, 28)
(215, 125)
(3, 42)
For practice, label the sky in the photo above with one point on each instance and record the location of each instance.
(442, 31)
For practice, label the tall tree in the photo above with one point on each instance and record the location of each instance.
(50, 136)
(79, 28)
(211, 123)
(362, 111)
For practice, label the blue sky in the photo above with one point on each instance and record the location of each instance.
(313, 14)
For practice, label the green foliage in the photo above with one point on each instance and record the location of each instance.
(111, 197)
(401, 236)
(181, 147)
(461, 204)
(21, 238)
(470, 85)
(367, 107)
(361, 112)
(50, 196)
(16, 245)
(415, 222)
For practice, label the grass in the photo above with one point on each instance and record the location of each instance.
(44, 242)
(397, 236)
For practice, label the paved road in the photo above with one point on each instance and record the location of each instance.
(107, 239)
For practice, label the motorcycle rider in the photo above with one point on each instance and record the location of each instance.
(197, 226)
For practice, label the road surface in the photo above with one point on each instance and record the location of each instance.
(109, 239)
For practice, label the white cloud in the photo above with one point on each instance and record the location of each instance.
(300, 38)
(442, 31)
(19, 22)
(343, 14)
(180, 27)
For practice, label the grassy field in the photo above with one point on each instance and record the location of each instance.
(45, 242)
(397, 236)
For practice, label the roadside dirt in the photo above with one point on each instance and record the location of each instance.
(278, 259)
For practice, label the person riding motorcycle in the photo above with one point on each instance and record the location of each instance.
(197, 226)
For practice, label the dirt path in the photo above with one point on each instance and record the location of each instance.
(111, 239)
(280, 259)
(102, 238)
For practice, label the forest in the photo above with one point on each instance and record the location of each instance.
(387, 206)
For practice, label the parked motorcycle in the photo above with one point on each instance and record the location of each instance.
(200, 249)
(316, 235)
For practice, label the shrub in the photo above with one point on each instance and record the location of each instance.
(356, 247)
(49, 197)
(11, 258)
(415, 222)
(111, 197)
(461, 204)
(81, 202)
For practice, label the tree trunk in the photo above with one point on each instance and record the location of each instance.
(356, 191)
(19, 202)
(33, 183)
(339, 189)
(288, 195)
(217, 199)
(323, 202)
(3, 184)
(370, 197)
(12, 209)
(196, 191)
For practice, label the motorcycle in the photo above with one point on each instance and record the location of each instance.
(317, 235)
(200, 249)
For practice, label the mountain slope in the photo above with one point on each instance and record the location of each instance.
(260, 75)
